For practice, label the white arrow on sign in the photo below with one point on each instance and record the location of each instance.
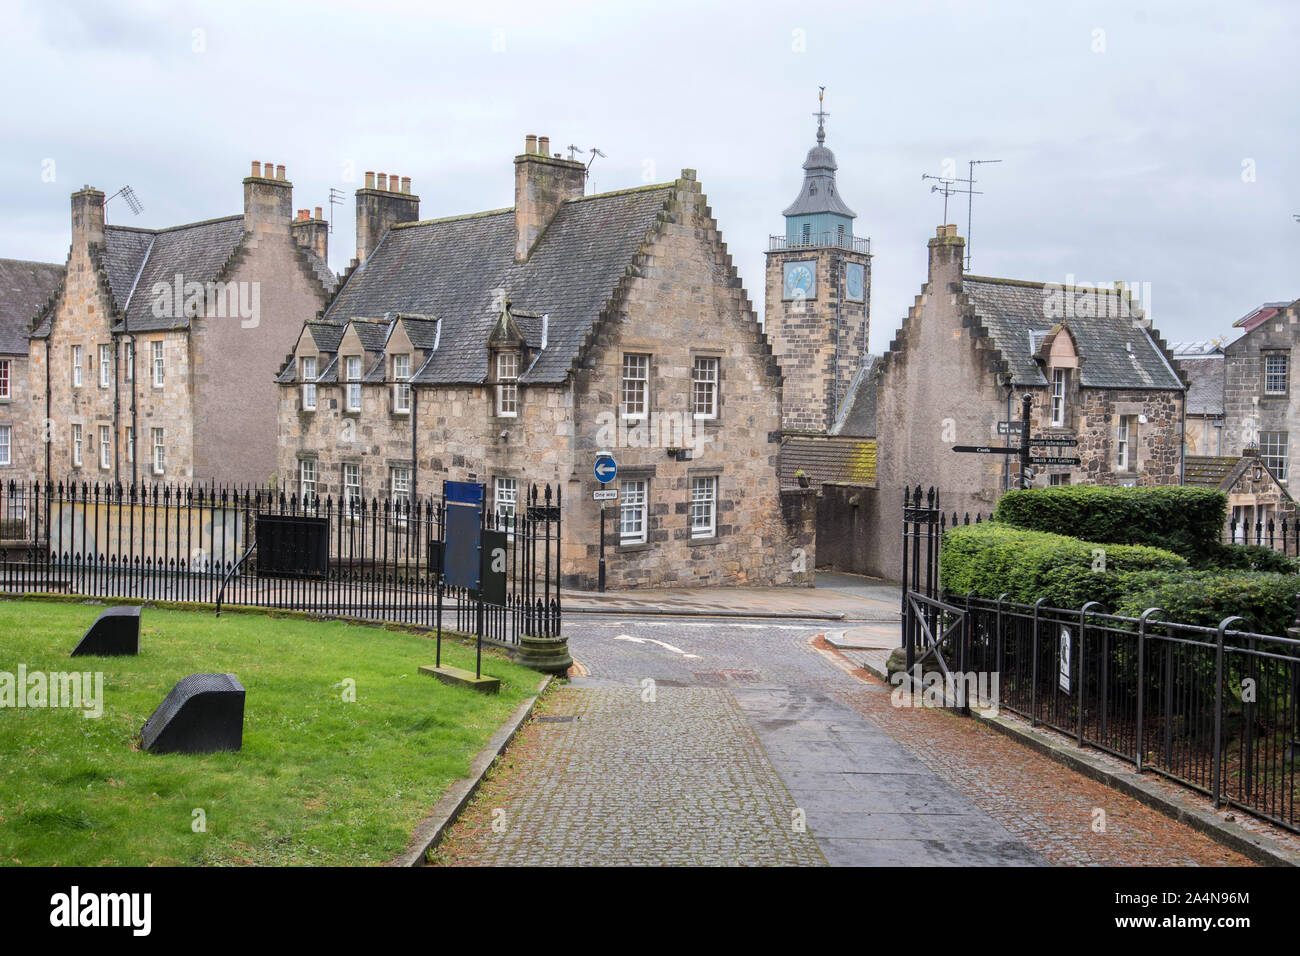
(651, 640)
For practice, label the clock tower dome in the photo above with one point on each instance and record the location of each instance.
(818, 295)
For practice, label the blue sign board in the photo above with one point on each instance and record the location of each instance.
(462, 534)
(606, 469)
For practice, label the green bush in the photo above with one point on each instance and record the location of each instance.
(1187, 521)
(1266, 601)
(994, 558)
(1243, 557)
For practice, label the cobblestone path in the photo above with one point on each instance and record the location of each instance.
(752, 732)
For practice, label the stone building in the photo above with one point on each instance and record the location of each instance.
(1202, 364)
(154, 360)
(25, 287)
(1259, 506)
(967, 351)
(509, 347)
(1259, 405)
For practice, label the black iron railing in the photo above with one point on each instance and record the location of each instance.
(819, 240)
(163, 542)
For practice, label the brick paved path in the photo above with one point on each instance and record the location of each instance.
(752, 722)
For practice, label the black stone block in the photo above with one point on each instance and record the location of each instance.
(115, 632)
(204, 713)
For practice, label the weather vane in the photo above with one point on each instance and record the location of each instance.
(821, 114)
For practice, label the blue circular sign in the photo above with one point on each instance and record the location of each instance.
(606, 469)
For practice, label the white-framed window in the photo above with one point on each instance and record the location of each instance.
(105, 366)
(159, 452)
(632, 511)
(76, 366)
(400, 481)
(1272, 448)
(1124, 446)
(130, 443)
(159, 363)
(1058, 397)
(351, 488)
(6, 444)
(352, 365)
(309, 383)
(76, 446)
(5, 375)
(506, 502)
(105, 447)
(307, 482)
(508, 384)
(704, 507)
(704, 387)
(401, 387)
(129, 354)
(636, 385)
(1275, 373)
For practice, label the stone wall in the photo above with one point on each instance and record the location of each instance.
(1248, 410)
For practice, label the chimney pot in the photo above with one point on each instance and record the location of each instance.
(257, 170)
(394, 183)
(406, 184)
(318, 215)
(544, 145)
(383, 182)
(279, 172)
(530, 143)
(370, 179)
(268, 170)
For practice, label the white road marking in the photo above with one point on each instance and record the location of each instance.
(651, 640)
(705, 624)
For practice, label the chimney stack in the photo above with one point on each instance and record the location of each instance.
(87, 220)
(312, 232)
(381, 205)
(268, 200)
(946, 252)
(542, 185)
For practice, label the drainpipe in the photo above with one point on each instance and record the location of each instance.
(45, 430)
(1182, 443)
(415, 459)
(117, 412)
(135, 434)
(1006, 459)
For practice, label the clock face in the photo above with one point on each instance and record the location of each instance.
(800, 279)
(855, 280)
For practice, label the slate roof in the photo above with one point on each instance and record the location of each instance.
(24, 288)
(1222, 472)
(450, 268)
(1115, 351)
(857, 414)
(834, 458)
(1205, 391)
(198, 252)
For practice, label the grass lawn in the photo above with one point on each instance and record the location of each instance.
(319, 781)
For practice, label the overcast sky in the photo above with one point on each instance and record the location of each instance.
(1152, 143)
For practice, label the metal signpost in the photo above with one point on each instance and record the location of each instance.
(1022, 451)
(606, 469)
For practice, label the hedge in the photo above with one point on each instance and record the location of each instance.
(1187, 521)
(1247, 557)
(994, 558)
(1266, 601)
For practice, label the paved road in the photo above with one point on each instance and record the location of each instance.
(755, 746)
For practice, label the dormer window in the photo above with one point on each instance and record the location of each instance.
(401, 387)
(309, 383)
(1058, 397)
(352, 364)
(508, 384)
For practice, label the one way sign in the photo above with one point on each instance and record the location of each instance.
(606, 469)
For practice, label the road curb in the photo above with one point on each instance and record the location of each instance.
(1259, 849)
(429, 833)
(714, 612)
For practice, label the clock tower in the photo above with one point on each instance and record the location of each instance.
(818, 295)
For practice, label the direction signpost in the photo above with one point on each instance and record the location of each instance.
(1021, 451)
(606, 469)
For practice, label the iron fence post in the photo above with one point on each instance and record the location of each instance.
(1033, 687)
(1216, 770)
(1140, 733)
(1080, 672)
